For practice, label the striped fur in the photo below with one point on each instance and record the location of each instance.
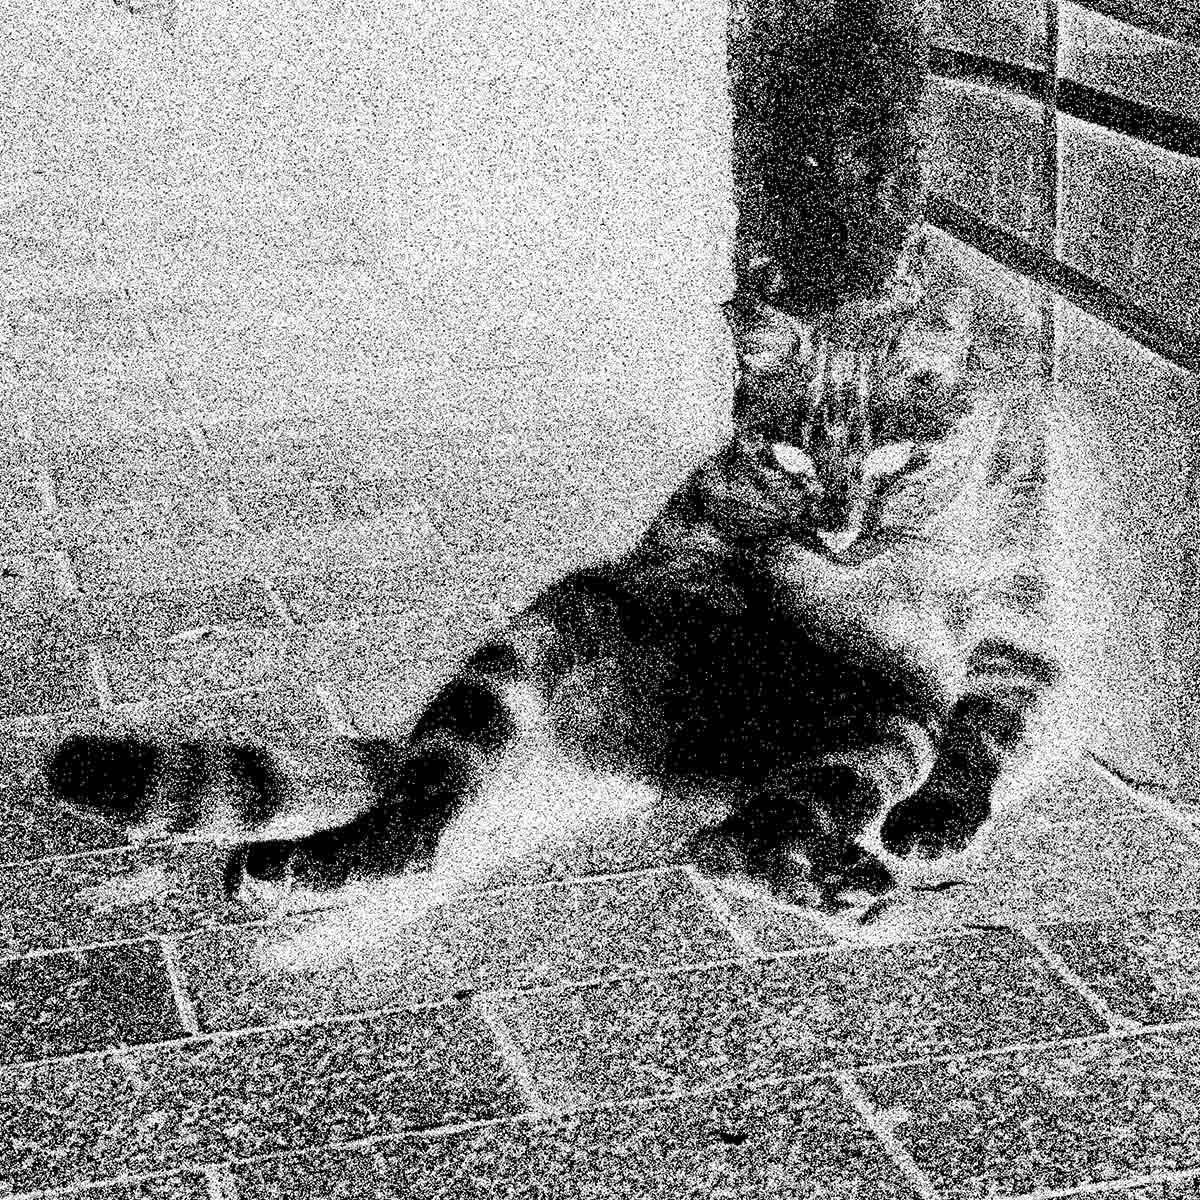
(813, 626)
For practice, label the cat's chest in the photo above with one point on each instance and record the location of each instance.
(910, 610)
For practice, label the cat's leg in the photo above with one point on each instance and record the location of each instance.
(802, 836)
(422, 784)
(984, 735)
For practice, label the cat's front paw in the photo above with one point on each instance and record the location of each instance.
(929, 827)
(826, 877)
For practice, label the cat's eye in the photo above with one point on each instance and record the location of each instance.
(792, 459)
(888, 460)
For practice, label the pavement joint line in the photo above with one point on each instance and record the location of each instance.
(300, 1023)
(510, 1052)
(219, 1182)
(1105, 1187)
(52, 951)
(177, 977)
(874, 1121)
(724, 914)
(528, 1117)
(1156, 803)
(73, 856)
(1080, 1039)
(82, 1190)
(65, 579)
(1091, 998)
(100, 678)
(340, 720)
(205, 1036)
(45, 489)
(280, 605)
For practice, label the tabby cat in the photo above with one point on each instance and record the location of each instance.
(842, 620)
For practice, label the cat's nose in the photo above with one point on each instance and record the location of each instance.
(837, 540)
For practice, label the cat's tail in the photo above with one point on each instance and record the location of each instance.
(206, 789)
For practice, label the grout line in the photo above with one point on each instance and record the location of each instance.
(198, 438)
(45, 487)
(1152, 798)
(144, 939)
(724, 914)
(100, 678)
(1114, 1020)
(65, 578)
(510, 1052)
(220, 1182)
(360, 1015)
(276, 597)
(1106, 1186)
(1192, 1024)
(81, 1191)
(628, 1103)
(178, 980)
(339, 719)
(875, 1122)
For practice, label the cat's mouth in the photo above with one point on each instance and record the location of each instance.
(853, 553)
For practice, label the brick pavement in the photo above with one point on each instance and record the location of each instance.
(608, 1027)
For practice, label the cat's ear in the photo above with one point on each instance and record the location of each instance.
(766, 339)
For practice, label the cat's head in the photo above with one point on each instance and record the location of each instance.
(842, 425)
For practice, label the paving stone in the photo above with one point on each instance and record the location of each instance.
(157, 564)
(240, 977)
(165, 1107)
(1029, 871)
(1145, 966)
(1166, 1189)
(797, 1142)
(56, 1004)
(160, 616)
(154, 464)
(107, 896)
(572, 931)
(219, 659)
(44, 669)
(33, 829)
(1060, 1117)
(664, 1033)
(122, 527)
(166, 1187)
(347, 594)
(318, 450)
(282, 504)
(1079, 796)
(519, 938)
(29, 588)
(24, 524)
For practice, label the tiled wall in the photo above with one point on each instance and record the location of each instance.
(1127, 217)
